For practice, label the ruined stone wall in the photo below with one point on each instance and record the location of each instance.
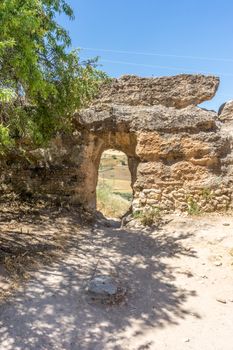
(180, 156)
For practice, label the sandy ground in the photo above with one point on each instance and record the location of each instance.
(179, 279)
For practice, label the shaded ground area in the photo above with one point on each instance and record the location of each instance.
(31, 235)
(179, 280)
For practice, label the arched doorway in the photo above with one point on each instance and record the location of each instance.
(114, 191)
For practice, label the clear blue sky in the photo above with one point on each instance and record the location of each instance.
(201, 31)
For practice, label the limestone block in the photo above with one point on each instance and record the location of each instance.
(226, 111)
(178, 91)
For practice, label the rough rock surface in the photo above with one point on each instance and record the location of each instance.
(156, 118)
(176, 91)
(179, 155)
(226, 111)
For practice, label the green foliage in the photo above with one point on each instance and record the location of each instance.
(150, 216)
(193, 207)
(137, 214)
(147, 216)
(5, 140)
(42, 83)
(126, 195)
(6, 95)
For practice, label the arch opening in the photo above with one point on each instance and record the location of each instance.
(114, 188)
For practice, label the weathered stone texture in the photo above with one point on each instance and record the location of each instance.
(225, 115)
(176, 91)
(180, 156)
(156, 118)
(226, 111)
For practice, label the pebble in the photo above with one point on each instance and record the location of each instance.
(105, 288)
(221, 300)
(102, 285)
(186, 340)
(218, 263)
(226, 224)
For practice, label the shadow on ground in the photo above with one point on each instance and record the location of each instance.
(52, 311)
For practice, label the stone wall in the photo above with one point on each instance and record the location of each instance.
(180, 156)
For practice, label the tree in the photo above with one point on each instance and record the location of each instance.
(42, 83)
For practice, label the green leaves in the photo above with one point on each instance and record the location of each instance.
(6, 95)
(5, 140)
(41, 82)
(5, 44)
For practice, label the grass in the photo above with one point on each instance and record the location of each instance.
(126, 195)
(118, 185)
(193, 207)
(109, 203)
(148, 217)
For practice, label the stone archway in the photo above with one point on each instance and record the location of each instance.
(176, 150)
(180, 155)
(94, 146)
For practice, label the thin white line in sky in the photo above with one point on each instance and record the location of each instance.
(159, 54)
(165, 67)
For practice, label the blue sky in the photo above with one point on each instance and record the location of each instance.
(170, 37)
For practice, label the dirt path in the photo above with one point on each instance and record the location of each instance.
(180, 292)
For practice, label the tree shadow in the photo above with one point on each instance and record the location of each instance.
(53, 311)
